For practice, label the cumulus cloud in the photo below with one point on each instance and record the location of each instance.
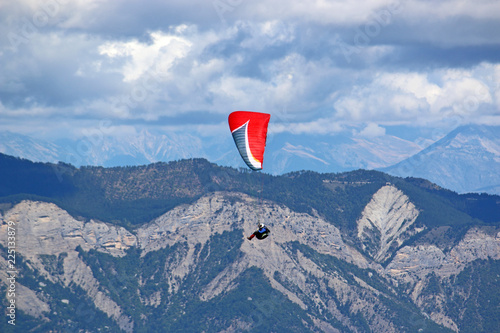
(421, 98)
(159, 54)
(371, 131)
(315, 66)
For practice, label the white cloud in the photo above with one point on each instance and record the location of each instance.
(464, 96)
(416, 84)
(496, 86)
(413, 98)
(157, 56)
(128, 61)
(321, 11)
(266, 34)
(318, 126)
(481, 9)
(371, 131)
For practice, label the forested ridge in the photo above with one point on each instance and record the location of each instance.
(134, 195)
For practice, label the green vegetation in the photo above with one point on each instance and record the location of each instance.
(397, 307)
(131, 196)
(156, 300)
(470, 298)
(253, 303)
(76, 313)
(483, 206)
(473, 297)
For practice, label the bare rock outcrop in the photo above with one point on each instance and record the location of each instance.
(385, 222)
(213, 214)
(44, 231)
(413, 263)
(290, 258)
(44, 228)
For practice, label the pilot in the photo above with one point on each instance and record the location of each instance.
(260, 233)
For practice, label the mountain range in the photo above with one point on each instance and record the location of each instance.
(284, 153)
(465, 160)
(163, 247)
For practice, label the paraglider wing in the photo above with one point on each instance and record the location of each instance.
(249, 131)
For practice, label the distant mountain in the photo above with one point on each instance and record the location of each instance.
(323, 153)
(162, 248)
(141, 148)
(465, 160)
(105, 150)
(284, 153)
(26, 147)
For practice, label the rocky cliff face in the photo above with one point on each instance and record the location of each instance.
(386, 222)
(412, 266)
(195, 224)
(306, 260)
(48, 237)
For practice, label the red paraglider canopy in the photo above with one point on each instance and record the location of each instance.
(249, 131)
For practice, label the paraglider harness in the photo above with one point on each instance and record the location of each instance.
(261, 233)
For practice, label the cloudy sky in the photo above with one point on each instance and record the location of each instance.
(70, 66)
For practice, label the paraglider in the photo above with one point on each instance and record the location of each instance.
(260, 233)
(249, 130)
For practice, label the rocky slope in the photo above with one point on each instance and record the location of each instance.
(331, 282)
(385, 222)
(414, 266)
(47, 236)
